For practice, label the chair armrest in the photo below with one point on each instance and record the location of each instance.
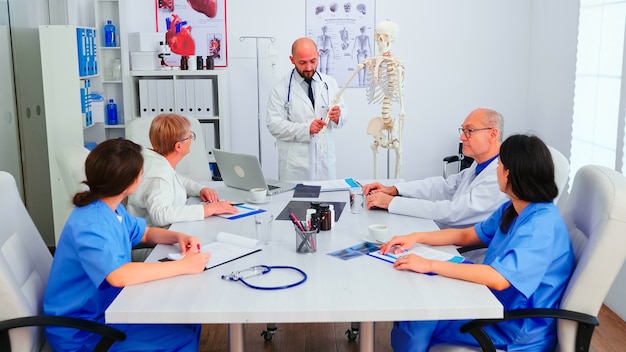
(109, 335)
(451, 159)
(586, 325)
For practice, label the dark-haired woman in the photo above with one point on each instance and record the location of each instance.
(92, 260)
(528, 263)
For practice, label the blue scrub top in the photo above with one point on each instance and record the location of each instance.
(536, 257)
(94, 242)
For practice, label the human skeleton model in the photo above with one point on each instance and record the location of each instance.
(384, 83)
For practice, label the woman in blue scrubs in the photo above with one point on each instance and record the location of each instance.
(528, 263)
(92, 261)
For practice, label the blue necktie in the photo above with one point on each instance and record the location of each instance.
(311, 97)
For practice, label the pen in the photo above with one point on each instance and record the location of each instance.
(235, 204)
(296, 222)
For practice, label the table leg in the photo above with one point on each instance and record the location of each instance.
(366, 336)
(235, 332)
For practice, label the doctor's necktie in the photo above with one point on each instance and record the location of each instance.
(309, 81)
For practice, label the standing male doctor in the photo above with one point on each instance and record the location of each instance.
(296, 110)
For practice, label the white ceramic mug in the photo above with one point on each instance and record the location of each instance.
(258, 194)
(379, 232)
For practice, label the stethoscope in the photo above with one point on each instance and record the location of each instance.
(262, 270)
(288, 103)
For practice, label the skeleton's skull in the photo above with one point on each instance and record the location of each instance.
(347, 6)
(333, 7)
(361, 8)
(319, 9)
(386, 33)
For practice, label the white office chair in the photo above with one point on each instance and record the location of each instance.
(24, 267)
(194, 166)
(595, 215)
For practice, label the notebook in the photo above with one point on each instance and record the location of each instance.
(243, 171)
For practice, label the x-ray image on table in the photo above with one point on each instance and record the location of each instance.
(355, 251)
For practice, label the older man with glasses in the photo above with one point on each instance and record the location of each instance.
(462, 199)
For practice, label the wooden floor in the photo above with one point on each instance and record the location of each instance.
(610, 336)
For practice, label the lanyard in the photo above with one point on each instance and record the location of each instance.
(262, 270)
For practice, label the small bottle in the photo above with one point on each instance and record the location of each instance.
(109, 34)
(111, 113)
(210, 64)
(199, 62)
(183, 63)
(326, 217)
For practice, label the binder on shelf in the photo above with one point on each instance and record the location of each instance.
(89, 57)
(207, 104)
(208, 130)
(169, 95)
(82, 51)
(181, 97)
(161, 92)
(189, 97)
(144, 106)
(198, 105)
(152, 98)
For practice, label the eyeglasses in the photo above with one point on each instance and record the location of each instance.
(192, 136)
(468, 131)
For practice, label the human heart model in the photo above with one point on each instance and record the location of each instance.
(178, 36)
(207, 7)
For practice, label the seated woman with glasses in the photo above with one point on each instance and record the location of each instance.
(528, 263)
(162, 195)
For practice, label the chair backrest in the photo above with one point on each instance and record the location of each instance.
(194, 166)
(71, 160)
(24, 266)
(561, 171)
(595, 215)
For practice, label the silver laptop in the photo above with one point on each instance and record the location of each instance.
(243, 171)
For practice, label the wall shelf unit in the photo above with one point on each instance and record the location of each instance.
(113, 62)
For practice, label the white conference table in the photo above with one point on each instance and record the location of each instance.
(362, 289)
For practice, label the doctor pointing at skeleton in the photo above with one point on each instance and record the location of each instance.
(302, 114)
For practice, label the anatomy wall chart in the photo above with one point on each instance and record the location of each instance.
(344, 33)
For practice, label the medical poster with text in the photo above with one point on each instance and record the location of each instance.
(344, 34)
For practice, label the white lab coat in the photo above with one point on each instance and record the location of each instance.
(300, 155)
(461, 200)
(162, 194)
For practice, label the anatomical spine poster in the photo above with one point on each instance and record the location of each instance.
(344, 33)
(193, 27)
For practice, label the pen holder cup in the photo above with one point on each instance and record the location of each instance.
(306, 241)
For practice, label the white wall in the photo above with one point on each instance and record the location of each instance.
(517, 57)
(480, 54)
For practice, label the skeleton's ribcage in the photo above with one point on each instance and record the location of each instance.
(383, 80)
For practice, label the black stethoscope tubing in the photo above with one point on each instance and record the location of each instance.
(289, 89)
